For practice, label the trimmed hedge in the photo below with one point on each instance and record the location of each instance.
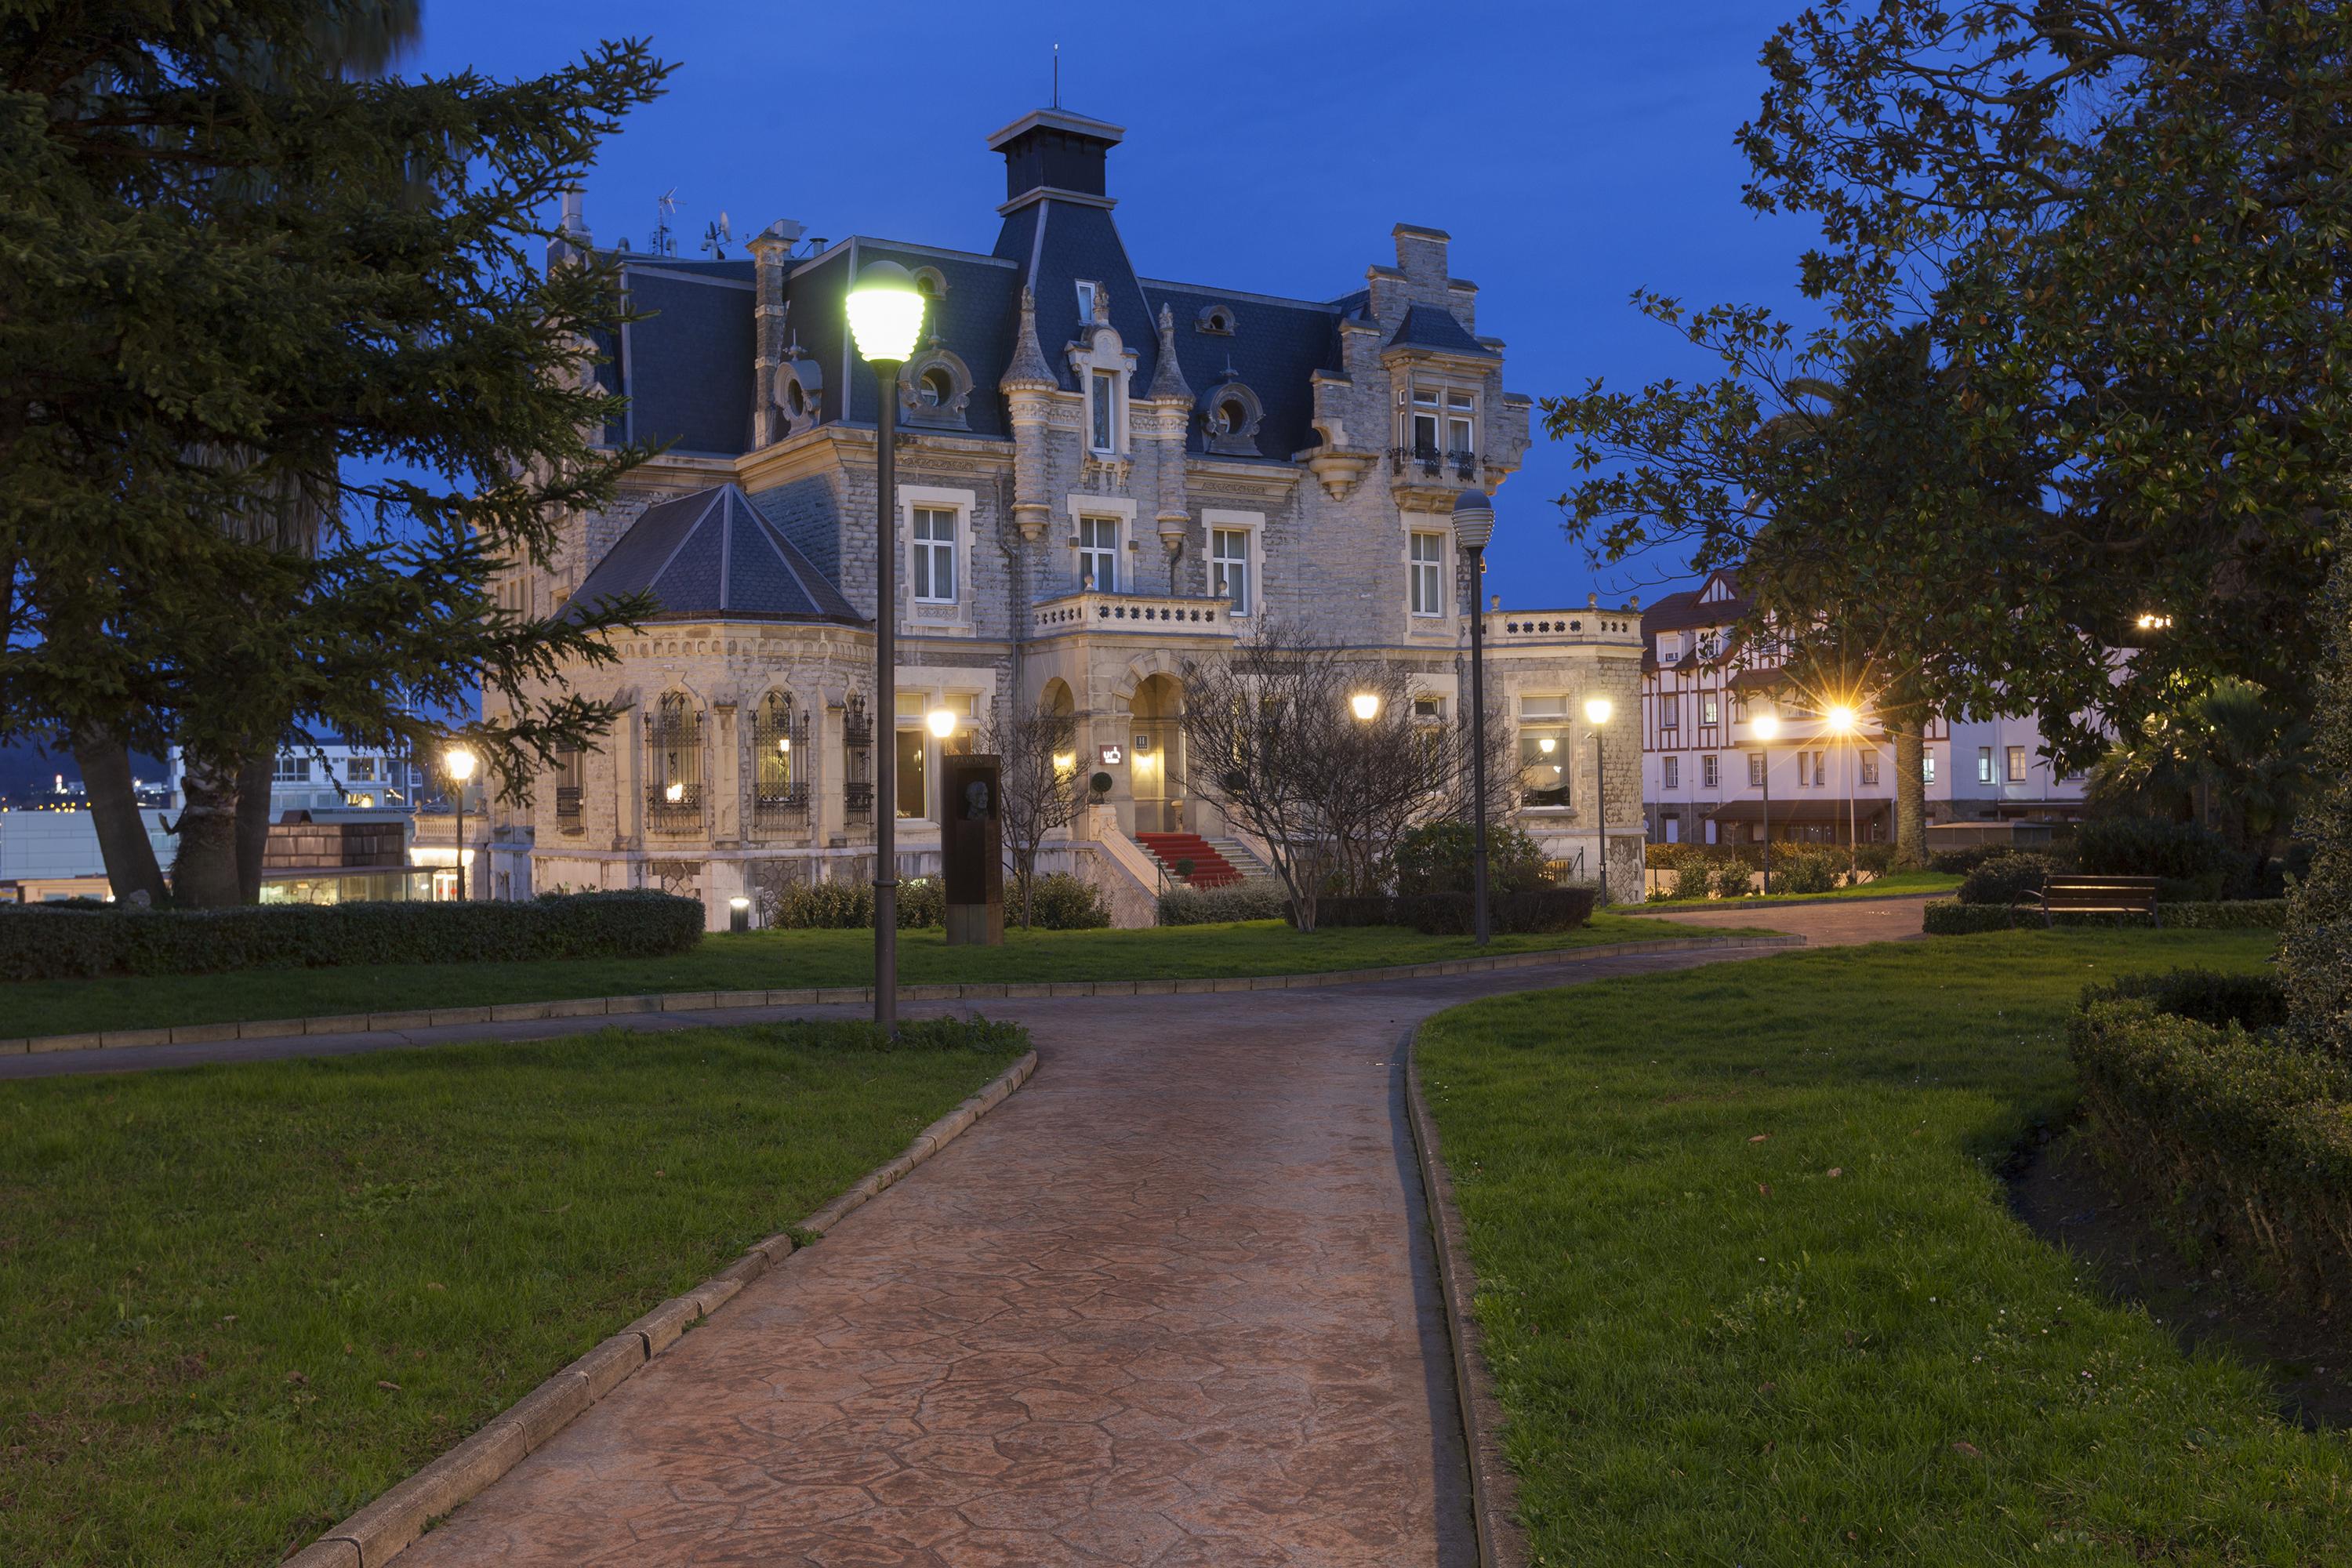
(1949, 917)
(2208, 995)
(1216, 906)
(1455, 914)
(2251, 1140)
(849, 906)
(41, 944)
(2005, 879)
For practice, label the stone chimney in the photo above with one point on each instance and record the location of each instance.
(771, 253)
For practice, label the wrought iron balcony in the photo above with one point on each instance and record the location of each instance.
(781, 809)
(857, 797)
(674, 808)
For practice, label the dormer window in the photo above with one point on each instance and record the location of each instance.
(1085, 303)
(1217, 320)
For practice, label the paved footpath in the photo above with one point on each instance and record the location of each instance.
(1172, 1304)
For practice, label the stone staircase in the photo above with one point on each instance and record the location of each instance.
(1216, 862)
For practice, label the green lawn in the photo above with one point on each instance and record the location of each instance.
(1894, 885)
(1753, 1296)
(757, 961)
(241, 1300)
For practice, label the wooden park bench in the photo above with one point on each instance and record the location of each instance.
(2100, 896)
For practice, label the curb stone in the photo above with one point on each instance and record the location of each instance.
(1494, 1485)
(385, 1527)
(723, 1001)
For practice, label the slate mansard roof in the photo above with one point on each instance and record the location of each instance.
(688, 365)
(711, 555)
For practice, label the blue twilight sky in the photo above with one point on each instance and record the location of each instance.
(1574, 149)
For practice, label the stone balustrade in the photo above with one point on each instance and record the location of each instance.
(1175, 614)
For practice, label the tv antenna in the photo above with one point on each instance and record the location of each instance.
(715, 239)
(664, 243)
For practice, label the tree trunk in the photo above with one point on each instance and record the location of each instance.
(1024, 876)
(253, 823)
(1910, 800)
(204, 872)
(130, 866)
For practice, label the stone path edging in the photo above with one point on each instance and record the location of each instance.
(381, 1530)
(1494, 1487)
(815, 996)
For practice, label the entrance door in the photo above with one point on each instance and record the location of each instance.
(1156, 762)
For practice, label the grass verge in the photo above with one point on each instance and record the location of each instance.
(777, 960)
(1894, 885)
(1752, 1294)
(242, 1300)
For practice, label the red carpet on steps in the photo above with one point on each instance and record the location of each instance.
(1210, 869)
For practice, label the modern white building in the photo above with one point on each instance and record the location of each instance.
(331, 774)
(1708, 777)
(46, 855)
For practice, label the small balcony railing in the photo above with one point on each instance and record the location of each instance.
(780, 810)
(858, 798)
(674, 808)
(1433, 463)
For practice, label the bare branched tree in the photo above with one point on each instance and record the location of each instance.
(1040, 785)
(1276, 739)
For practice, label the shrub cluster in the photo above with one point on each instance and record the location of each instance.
(1960, 861)
(1455, 914)
(1807, 871)
(1949, 917)
(2251, 1139)
(38, 942)
(1216, 906)
(2208, 995)
(2014, 876)
(1440, 857)
(849, 905)
(1060, 902)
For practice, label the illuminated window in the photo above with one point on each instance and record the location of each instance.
(2017, 765)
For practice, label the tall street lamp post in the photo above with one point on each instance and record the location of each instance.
(1473, 525)
(460, 764)
(1842, 722)
(1766, 726)
(1598, 709)
(886, 314)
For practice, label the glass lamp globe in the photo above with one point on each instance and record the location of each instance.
(1365, 705)
(886, 314)
(941, 723)
(1474, 519)
(1599, 708)
(1765, 726)
(460, 763)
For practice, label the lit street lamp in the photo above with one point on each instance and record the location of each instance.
(1365, 706)
(1473, 525)
(940, 721)
(460, 764)
(1598, 709)
(1842, 722)
(886, 314)
(1765, 727)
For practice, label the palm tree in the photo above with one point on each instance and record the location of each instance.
(2223, 757)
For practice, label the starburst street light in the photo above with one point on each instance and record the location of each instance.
(1842, 721)
(1764, 726)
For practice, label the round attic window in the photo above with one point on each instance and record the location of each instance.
(1231, 415)
(937, 388)
(795, 400)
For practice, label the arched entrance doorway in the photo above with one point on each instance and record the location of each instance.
(1156, 762)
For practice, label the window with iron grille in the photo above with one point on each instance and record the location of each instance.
(567, 790)
(674, 765)
(856, 745)
(780, 793)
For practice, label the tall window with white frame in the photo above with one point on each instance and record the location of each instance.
(1422, 423)
(1229, 567)
(1461, 427)
(1427, 574)
(1102, 410)
(935, 555)
(1098, 553)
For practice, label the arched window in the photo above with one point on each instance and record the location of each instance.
(935, 389)
(780, 763)
(674, 765)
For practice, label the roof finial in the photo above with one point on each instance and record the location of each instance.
(1168, 377)
(1028, 366)
(1058, 75)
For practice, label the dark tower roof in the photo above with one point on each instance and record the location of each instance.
(711, 555)
(1053, 149)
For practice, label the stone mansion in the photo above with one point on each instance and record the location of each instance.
(1101, 475)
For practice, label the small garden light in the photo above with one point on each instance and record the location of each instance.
(739, 913)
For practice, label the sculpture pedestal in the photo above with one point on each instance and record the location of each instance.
(971, 843)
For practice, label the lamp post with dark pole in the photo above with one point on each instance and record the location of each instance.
(1766, 726)
(886, 314)
(1842, 720)
(1473, 525)
(460, 764)
(1597, 709)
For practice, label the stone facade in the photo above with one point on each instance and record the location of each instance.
(1102, 476)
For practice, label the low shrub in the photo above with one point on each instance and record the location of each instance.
(1216, 906)
(1438, 858)
(1966, 858)
(1876, 858)
(848, 905)
(1679, 856)
(1807, 871)
(1537, 910)
(45, 942)
(2249, 1143)
(2208, 995)
(2006, 880)
(1692, 882)
(1335, 909)
(1060, 902)
(1729, 878)
(1949, 917)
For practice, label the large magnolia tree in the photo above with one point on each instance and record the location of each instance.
(2084, 264)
